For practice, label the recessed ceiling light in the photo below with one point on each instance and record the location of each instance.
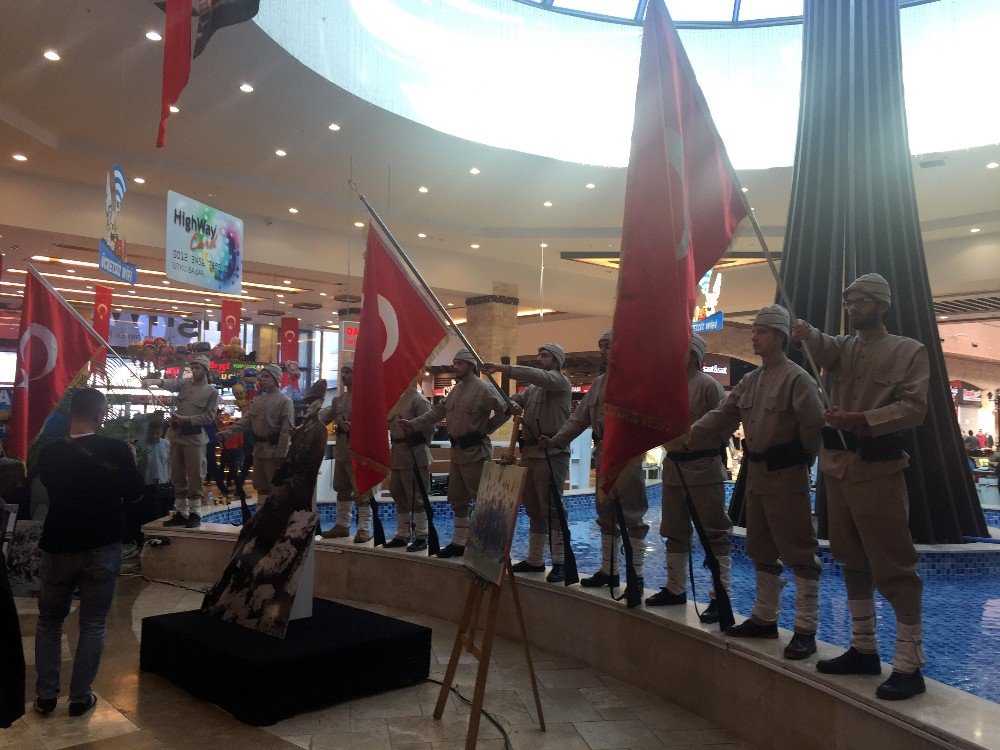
(19, 157)
(89, 286)
(544, 244)
(590, 186)
(293, 210)
(174, 109)
(139, 180)
(421, 235)
(173, 307)
(51, 54)
(131, 291)
(154, 36)
(70, 270)
(746, 190)
(282, 302)
(474, 246)
(547, 204)
(474, 170)
(993, 165)
(334, 126)
(322, 294)
(165, 282)
(359, 224)
(975, 230)
(421, 189)
(281, 152)
(942, 317)
(281, 296)
(207, 299)
(246, 88)
(287, 281)
(451, 304)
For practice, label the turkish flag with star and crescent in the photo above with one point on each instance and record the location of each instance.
(682, 208)
(102, 320)
(232, 311)
(54, 344)
(400, 331)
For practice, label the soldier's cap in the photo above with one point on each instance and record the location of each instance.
(273, 370)
(348, 365)
(776, 317)
(872, 284)
(556, 351)
(317, 391)
(698, 347)
(606, 336)
(199, 360)
(464, 355)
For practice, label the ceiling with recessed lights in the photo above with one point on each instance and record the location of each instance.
(485, 214)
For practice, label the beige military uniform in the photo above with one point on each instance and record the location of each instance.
(339, 413)
(885, 377)
(402, 482)
(704, 478)
(545, 403)
(471, 412)
(269, 417)
(777, 405)
(187, 451)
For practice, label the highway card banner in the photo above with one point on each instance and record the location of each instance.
(204, 245)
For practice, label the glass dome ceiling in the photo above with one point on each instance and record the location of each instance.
(517, 75)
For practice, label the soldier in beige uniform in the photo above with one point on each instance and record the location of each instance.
(878, 387)
(545, 406)
(269, 417)
(410, 451)
(779, 406)
(704, 474)
(472, 411)
(194, 407)
(630, 488)
(339, 414)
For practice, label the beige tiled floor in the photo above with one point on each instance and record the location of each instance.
(584, 709)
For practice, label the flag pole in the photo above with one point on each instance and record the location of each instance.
(83, 321)
(430, 292)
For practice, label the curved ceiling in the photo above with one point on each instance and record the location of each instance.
(511, 74)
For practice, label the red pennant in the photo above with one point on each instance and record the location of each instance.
(176, 60)
(399, 333)
(54, 344)
(682, 207)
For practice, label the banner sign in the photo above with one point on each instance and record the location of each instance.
(204, 245)
(349, 335)
(230, 313)
(289, 349)
(711, 323)
(114, 266)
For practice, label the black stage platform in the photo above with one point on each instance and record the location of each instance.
(338, 654)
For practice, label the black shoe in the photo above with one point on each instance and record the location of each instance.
(452, 550)
(394, 543)
(526, 567)
(80, 708)
(900, 686)
(45, 706)
(600, 578)
(751, 629)
(665, 598)
(801, 646)
(193, 521)
(851, 661)
(633, 594)
(711, 614)
(557, 574)
(178, 519)
(418, 545)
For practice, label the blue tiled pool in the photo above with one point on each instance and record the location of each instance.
(961, 592)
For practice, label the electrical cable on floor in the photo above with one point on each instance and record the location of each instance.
(165, 583)
(487, 714)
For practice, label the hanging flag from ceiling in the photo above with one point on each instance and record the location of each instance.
(289, 346)
(102, 319)
(232, 310)
(216, 14)
(176, 60)
(682, 208)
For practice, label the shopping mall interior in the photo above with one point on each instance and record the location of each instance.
(492, 138)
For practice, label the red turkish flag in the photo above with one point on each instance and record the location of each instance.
(176, 60)
(102, 319)
(54, 345)
(232, 311)
(400, 331)
(289, 351)
(682, 208)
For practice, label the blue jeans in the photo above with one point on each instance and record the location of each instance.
(95, 573)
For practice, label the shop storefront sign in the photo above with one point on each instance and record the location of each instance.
(204, 245)
(966, 393)
(114, 266)
(711, 323)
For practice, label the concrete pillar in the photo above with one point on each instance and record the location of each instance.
(491, 325)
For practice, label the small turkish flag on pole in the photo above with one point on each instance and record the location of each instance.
(399, 332)
(102, 320)
(289, 349)
(54, 344)
(232, 310)
(682, 207)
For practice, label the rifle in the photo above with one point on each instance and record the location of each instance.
(433, 543)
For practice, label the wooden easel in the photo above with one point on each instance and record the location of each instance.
(466, 639)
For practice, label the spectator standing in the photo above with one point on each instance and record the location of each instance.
(87, 476)
(981, 439)
(971, 444)
(989, 442)
(158, 494)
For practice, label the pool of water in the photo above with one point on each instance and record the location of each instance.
(961, 608)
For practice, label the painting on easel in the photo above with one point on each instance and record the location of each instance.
(491, 531)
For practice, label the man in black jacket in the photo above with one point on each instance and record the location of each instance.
(87, 477)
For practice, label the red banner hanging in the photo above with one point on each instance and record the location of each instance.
(232, 310)
(289, 350)
(102, 320)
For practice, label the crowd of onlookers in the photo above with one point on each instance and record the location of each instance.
(978, 442)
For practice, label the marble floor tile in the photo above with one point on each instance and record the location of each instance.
(557, 736)
(610, 735)
(673, 738)
(59, 729)
(668, 716)
(428, 729)
(375, 740)
(569, 678)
